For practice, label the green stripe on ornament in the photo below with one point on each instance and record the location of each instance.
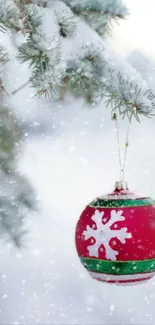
(101, 203)
(118, 267)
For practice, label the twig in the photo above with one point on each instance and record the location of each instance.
(20, 88)
(95, 11)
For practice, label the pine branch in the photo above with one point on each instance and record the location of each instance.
(66, 19)
(3, 55)
(2, 28)
(22, 3)
(84, 72)
(48, 80)
(129, 98)
(99, 14)
(33, 15)
(21, 87)
(86, 69)
(19, 15)
(33, 51)
(88, 12)
(10, 16)
(38, 48)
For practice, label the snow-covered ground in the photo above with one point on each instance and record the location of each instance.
(45, 283)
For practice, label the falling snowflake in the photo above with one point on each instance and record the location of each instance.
(103, 234)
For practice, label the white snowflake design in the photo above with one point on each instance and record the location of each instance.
(103, 234)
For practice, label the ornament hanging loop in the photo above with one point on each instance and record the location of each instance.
(121, 165)
(121, 175)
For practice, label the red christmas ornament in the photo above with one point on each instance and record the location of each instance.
(115, 237)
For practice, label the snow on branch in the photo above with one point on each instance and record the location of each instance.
(86, 69)
(113, 7)
(39, 50)
(10, 15)
(43, 51)
(35, 48)
(66, 20)
(99, 14)
(49, 80)
(100, 72)
(91, 70)
(128, 97)
(124, 89)
(33, 17)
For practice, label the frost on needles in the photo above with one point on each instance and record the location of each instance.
(99, 14)
(91, 72)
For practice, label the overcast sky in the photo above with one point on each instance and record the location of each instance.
(137, 32)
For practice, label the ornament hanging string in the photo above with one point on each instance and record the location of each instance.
(121, 165)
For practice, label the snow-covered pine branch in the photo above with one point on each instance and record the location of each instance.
(128, 97)
(99, 14)
(98, 71)
(89, 71)
(66, 20)
(10, 16)
(43, 51)
(48, 80)
(86, 69)
(124, 88)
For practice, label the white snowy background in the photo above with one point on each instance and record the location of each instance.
(70, 159)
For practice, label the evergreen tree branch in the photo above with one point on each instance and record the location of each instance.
(99, 14)
(3, 55)
(84, 72)
(66, 19)
(130, 98)
(10, 16)
(96, 11)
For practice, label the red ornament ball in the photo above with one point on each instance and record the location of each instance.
(115, 237)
